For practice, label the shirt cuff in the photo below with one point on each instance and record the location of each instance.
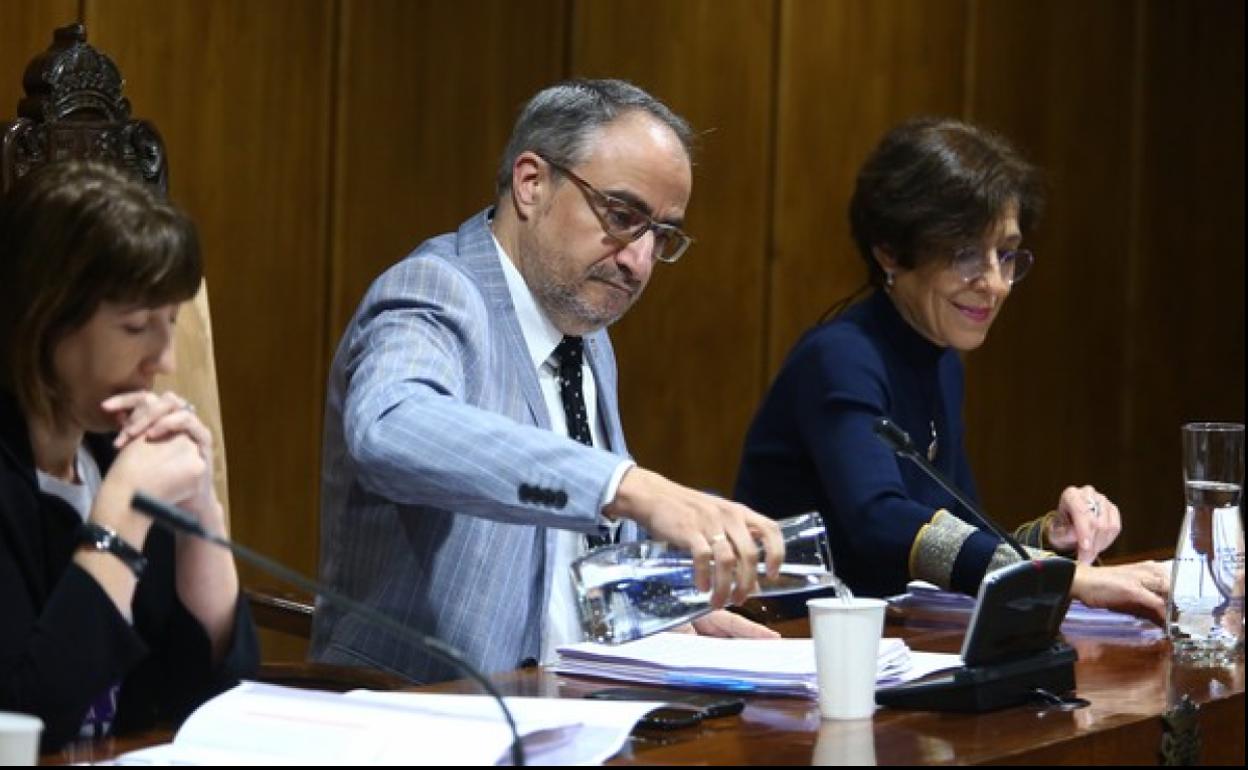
(613, 486)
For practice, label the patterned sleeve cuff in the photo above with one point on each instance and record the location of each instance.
(936, 546)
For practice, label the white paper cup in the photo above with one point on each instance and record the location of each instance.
(19, 739)
(847, 645)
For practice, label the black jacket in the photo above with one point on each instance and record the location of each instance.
(62, 640)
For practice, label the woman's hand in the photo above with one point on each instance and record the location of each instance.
(171, 468)
(137, 410)
(144, 416)
(167, 452)
(1139, 588)
(1085, 523)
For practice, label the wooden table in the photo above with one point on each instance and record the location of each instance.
(1130, 688)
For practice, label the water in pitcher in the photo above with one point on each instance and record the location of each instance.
(1206, 606)
(631, 590)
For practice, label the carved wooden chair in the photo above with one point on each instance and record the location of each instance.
(73, 108)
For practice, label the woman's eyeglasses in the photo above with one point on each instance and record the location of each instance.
(971, 264)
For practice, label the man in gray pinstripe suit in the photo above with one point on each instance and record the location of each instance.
(472, 432)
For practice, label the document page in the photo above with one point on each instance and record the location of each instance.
(259, 724)
(771, 666)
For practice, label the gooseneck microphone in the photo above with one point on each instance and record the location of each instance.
(178, 520)
(899, 441)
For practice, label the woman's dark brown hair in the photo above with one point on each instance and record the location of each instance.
(73, 235)
(932, 182)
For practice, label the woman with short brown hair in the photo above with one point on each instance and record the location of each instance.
(107, 623)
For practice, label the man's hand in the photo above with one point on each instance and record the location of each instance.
(731, 625)
(711, 528)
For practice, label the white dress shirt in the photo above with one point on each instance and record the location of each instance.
(541, 337)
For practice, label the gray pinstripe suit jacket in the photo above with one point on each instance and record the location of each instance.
(441, 481)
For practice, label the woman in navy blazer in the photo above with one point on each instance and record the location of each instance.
(107, 623)
(939, 213)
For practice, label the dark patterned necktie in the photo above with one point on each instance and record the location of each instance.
(570, 354)
(569, 357)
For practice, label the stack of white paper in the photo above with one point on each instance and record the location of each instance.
(1081, 620)
(765, 666)
(259, 724)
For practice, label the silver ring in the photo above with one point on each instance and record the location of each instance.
(719, 538)
(1095, 505)
(188, 406)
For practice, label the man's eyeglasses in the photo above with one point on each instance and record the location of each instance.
(625, 223)
(971, 263)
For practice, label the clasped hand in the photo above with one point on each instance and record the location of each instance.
(165, 450)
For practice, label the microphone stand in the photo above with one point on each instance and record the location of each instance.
(1011, 652)
(176, 519)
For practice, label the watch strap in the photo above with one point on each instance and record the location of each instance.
(105, 538)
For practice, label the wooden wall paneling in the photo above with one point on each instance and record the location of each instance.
(427, 96)
(241, 93)
(1043, 394)
(1186, 320)
(26, 30)
(689, 351)
(423, 101)
(849, 71)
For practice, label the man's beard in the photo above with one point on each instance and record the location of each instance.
(564, 302)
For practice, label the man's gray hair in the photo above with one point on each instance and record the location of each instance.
(559, 121)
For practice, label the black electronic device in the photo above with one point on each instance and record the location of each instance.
(1038, 677)
(1011, 652)
(670, 718)
(1018, 611)
(710, 704)
(682, 708)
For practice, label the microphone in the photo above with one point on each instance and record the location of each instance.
(178, 520)
(899, 441)
(1011, 652)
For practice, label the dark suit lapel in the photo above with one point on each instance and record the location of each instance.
(478, 253)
